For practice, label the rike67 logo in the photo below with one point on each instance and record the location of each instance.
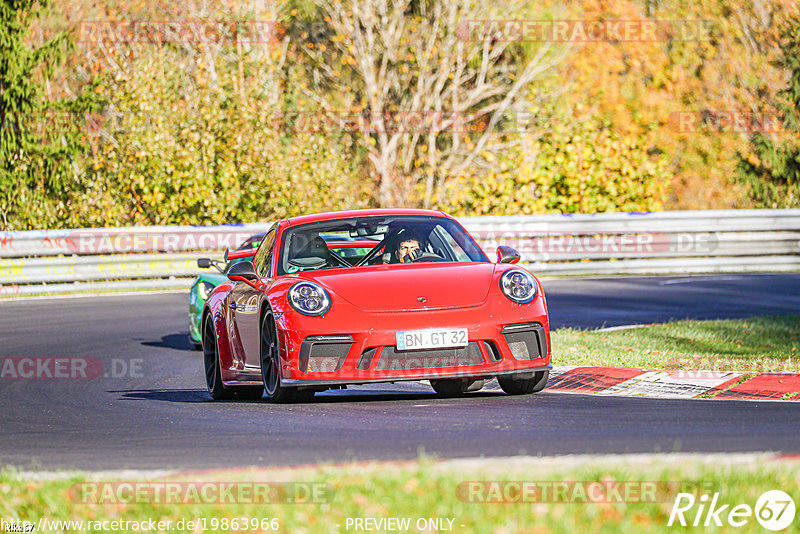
(774, 510)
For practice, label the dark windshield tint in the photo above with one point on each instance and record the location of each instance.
(376, 240)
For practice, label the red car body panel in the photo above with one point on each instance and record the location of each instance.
(370, 304)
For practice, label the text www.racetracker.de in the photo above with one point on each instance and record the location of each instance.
(45, 524)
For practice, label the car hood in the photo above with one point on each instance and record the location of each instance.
(424, 286)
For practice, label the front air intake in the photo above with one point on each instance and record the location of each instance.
(526, 341)
(324, 354)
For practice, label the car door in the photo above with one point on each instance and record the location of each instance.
(246, 303)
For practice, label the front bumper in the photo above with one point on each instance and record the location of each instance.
(528, 373)
(330, 351)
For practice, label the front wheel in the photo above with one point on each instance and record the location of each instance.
(271, 366)
(514, 385)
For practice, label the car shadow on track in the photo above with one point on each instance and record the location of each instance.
(171, 341)
(193, 396)
(169, 395)
(383, 396)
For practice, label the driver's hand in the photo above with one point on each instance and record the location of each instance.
(412, 255)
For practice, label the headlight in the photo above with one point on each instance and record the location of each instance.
(204, 289)
(309, 298)
(518, 285)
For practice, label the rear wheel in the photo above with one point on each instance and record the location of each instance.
(516, 385)
(271, 366)
(216, 388)
(455, 387)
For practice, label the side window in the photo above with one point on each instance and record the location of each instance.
(264, 255)
(450, 248)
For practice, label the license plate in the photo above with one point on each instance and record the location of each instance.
(440, 338)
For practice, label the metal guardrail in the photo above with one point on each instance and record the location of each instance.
(125, 240)
(705, 241)
(610, 243)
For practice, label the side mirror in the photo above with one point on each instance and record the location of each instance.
(203, 263)
(507, 255)
(244, 272)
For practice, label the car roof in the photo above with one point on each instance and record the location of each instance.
(377, 212)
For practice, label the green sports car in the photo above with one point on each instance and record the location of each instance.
(205, 283)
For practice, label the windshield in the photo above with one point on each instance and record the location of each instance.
(375, 240)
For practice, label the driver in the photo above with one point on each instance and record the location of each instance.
(409, 247)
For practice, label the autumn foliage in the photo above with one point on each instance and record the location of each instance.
(276, 109)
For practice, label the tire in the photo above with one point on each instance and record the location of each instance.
(270, 366)
(455, 387)
(514, 385)
(216, 388)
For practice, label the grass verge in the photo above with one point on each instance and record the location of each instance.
(419, 491)
(751, 345)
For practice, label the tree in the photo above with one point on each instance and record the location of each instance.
(430, 93)
(710, 57)
(39, 139)
(190, 133)
(771, 166)
(580, 165)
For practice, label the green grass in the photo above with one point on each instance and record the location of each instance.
(751, 345)
(427, 489)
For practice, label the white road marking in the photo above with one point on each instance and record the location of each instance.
(670, 384)
(692, 279)
(623, 327)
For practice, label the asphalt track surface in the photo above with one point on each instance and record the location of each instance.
(162, 416)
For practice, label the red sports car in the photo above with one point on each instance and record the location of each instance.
(367, 296)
